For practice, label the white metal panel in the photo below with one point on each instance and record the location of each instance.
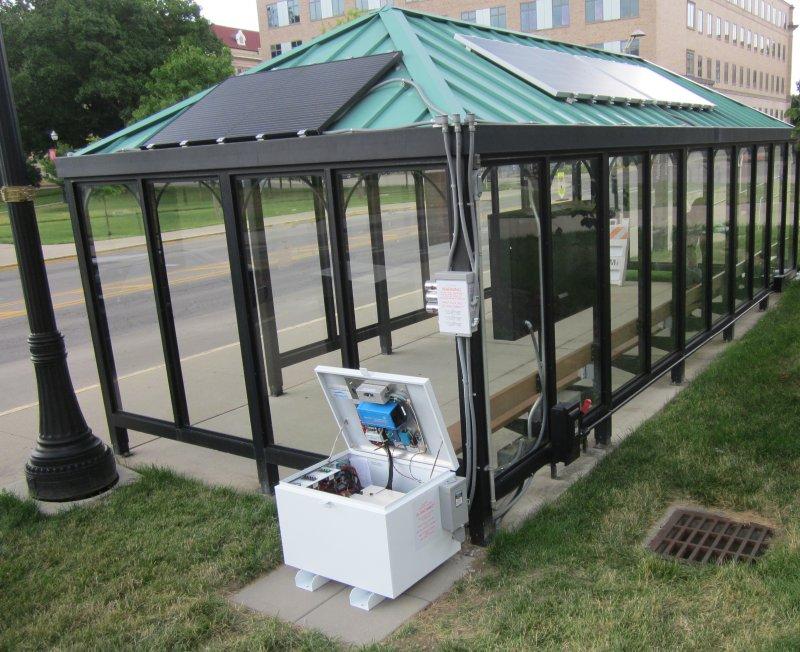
(483, 17)
(283, 13)
(547, 11)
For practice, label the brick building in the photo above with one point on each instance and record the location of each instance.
(244, 44)
(740, 47)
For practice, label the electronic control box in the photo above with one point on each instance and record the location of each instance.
(388, 510)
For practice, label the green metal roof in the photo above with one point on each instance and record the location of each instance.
(439, 75)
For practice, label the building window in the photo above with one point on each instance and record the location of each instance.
(735, 33)
(718, 31)
(369, 5)
(726, 74)
(689, 63)
(280, 14)
(700, 20)
(296, 44)
(727, 31)
(318, 10)
(691, 11)
(494, 17)
(699, 66)
(600, 10)
(718, 75)
(275, 50)
(708, 68)
(543, 14)
(625, 46)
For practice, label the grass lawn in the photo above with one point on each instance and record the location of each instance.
(115, 214)
(150, 567)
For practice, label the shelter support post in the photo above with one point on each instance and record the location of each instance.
(268, 325)
(679, 276)
(602, 432)
(242, 284)
(733, 207)
(372, 186)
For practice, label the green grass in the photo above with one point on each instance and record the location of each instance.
(114, 214)
(577, 575)
(149, 568)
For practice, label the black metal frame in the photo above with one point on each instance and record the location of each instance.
(326, 158)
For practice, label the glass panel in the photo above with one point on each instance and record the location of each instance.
(130, 305)
(625, 196)
(743, 225)
(696, 215)
(398, 237)
(721, 234)
(790, 213)
(762, 173)
(287, 250)
(663, 253)
(777, 210)
(573, 195)
(196, 256)
(509, 211)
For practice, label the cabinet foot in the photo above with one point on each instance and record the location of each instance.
(309, 581)
(366, 600)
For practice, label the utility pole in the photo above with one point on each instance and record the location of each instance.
(69, 462)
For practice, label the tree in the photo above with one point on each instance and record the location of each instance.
(794, 113)
(81, 67)
(188, 70)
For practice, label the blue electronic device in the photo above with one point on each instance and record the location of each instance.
(385, 416)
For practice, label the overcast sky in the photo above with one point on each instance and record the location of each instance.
(243, 13)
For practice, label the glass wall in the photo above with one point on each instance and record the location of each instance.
(789, 255)
(574, 214)
(696, 216)
(114, 211)
(664, 253)
(743, 225)
(721, 235)
(626, 194)
(398, 237)
(509, 212)
(198, 273)
(777, 209)
(761, 262)
(287, 249)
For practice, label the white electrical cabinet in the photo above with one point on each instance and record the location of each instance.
(341, 521)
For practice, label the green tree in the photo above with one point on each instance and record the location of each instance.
(81, 67)
(188, 69)
(794, 113)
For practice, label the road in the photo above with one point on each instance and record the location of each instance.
(202, 299)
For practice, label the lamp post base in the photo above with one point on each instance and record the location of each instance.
(63, 475)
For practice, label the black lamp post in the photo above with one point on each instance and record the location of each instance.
(69, 462)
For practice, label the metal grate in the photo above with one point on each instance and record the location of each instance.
(693, 535)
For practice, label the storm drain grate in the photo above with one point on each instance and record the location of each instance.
(693, 535)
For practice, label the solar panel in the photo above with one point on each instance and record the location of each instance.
(566, 75)
(276, 102)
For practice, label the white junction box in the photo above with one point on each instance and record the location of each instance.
(344, 520)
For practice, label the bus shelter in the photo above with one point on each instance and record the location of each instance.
(616, 215)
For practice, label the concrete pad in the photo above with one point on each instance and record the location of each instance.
(276, 594)
(328, 608)
(20, 490)
(337, 618)
(443, 578)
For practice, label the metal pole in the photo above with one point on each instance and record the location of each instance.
(69, 462)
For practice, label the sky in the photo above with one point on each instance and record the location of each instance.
(243, 13)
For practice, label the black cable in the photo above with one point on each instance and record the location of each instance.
(391, 464)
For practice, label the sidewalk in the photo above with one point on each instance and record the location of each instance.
(19, 428)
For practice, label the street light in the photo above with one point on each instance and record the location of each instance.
(54, 136)
(636, 35)
(69, 462)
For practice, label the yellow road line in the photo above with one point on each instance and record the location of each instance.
(15, 308)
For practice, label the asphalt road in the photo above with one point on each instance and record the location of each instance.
(201, 296)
